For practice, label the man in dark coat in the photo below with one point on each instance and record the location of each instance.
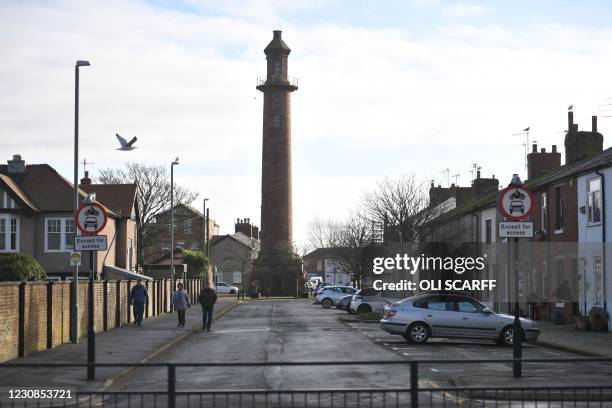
(139, 298)
(208, 298)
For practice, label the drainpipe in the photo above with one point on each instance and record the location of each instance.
(603, 234)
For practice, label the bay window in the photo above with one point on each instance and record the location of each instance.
(59, 234)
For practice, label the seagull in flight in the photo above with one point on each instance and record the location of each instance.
(571, 107)
(125, 145)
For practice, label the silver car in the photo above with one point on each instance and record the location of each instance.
(330, 295)
(371, 300)
(420, 317)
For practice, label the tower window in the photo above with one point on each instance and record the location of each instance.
(277, 69)
(276, 121)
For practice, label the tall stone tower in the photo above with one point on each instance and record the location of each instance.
(276, 270)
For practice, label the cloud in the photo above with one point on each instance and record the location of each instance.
(373, 101)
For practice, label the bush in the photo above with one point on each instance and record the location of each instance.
(20, 267)
(197, 264)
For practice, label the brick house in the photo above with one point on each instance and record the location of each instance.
(232, 256)
(36, 218)
(326, 263)
(189, 232)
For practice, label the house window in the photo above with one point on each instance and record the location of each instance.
(188, 227)
(594, 201)
(6, 201)
(276, 121)
(129, 254)
(9, 233)
(560, 204)
(236, 277)
(544, 212)
(59, 234)
(488, 231)
(597, 265)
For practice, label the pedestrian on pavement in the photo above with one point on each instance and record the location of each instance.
(139, 298)
(181, 302)
(208, 298)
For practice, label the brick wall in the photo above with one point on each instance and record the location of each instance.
(35, 316)
(9, 324)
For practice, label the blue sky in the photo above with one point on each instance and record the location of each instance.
(386, 88)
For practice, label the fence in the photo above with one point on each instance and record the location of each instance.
(36, 315)
(414, 395)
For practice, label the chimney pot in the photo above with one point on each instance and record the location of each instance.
(477, 174)
(543, 150)
(570, 120)
(277, 33)
(594, 124)
(534, 148)
(554, 148)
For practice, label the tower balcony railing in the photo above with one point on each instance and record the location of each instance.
(277, 80)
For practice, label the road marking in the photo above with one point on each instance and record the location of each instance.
(241, 330)
(444, 370)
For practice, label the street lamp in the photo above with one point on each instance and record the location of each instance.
(205, 226)
(74, 310)
(174, 163)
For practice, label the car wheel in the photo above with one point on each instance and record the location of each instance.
(507, 336)
(417, 333)
(327, 303)
(364, 309)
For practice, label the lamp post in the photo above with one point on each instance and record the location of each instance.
(174, 163)
(205, 227)
(74, 310)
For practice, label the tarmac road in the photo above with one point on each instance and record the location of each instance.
(296, 330)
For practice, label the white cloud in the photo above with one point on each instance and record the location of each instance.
(461, 10)
(184, 83)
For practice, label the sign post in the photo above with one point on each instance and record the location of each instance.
(90, 219)
(515, 203)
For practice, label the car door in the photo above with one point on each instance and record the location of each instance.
(441, 317)
(473, 322)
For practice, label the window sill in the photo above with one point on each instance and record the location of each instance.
(593, 224)
(559, 231)
(9, 251)
(58, 251)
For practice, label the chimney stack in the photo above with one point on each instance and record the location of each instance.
(542, 162)
(85, 181)
(17, 165)
(570, 120)
(594, 124)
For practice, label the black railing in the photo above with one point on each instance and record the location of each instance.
(416, 395)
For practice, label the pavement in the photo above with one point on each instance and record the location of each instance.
(567, 338)
(127, 344)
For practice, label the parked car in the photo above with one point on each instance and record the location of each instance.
(322, 285)
(371, 300)
(344, 303)
(223, 287)
(420, 317)
(330, 295)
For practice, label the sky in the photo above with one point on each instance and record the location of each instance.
(386, 88)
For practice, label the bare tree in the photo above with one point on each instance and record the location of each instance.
(153, 184)
(349, 239)
(400, 206)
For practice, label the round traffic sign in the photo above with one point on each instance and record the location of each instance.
(515, 202)
(90, 218)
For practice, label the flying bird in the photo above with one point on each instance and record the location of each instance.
(125, 145)
(526, 129)
(571, 107)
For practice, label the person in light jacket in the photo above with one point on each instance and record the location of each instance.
(181, 302)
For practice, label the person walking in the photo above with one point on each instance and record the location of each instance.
(181, 302)
(139, 298)
(208, 298)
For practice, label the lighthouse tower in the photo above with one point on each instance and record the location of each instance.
(276, 269)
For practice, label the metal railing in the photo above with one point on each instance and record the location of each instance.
(277, 80)
(414, 395)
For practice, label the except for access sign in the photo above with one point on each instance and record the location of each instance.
(515, 202)
(90, 218)
(516, 229)
(90, 243)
